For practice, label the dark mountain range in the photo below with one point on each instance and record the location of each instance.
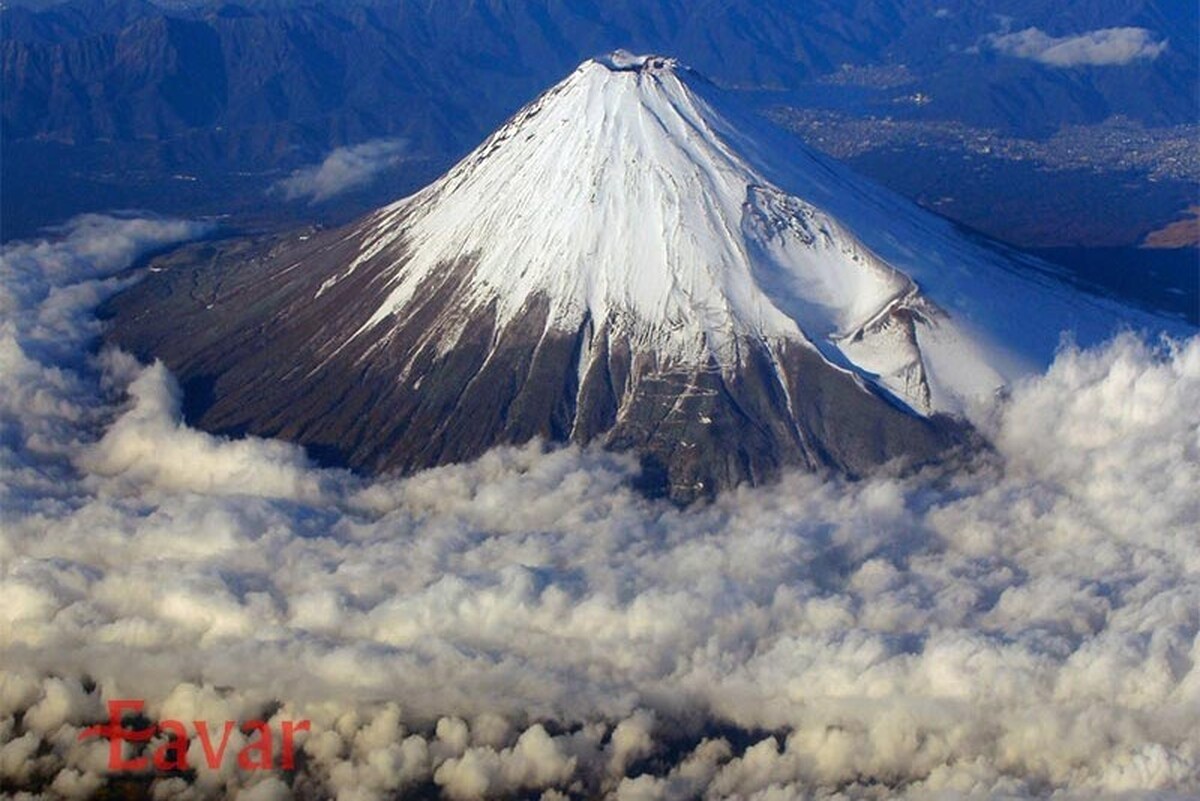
(199, 107)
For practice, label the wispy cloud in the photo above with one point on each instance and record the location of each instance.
(344, 169)
(1105, 47)
(1022, 629)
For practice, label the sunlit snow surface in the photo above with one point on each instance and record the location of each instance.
(636, 192)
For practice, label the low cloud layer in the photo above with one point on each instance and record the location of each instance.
(343, 169)
(525, 624)
(1104, 47)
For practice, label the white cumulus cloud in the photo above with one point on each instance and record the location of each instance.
(526, 625)
(1104, 47)
(343, 169)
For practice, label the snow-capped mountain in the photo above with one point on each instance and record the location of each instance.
(632, 260)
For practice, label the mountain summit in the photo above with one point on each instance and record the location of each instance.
(631, 260)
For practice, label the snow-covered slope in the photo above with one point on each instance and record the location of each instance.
(613, 194)
(630, 193)
(632, 260)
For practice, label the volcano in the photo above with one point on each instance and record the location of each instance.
(633, 260)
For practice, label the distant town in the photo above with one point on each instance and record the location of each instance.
(1118, 144)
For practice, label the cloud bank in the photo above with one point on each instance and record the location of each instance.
(343, 169)
(526, 625)
(1104, 47)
